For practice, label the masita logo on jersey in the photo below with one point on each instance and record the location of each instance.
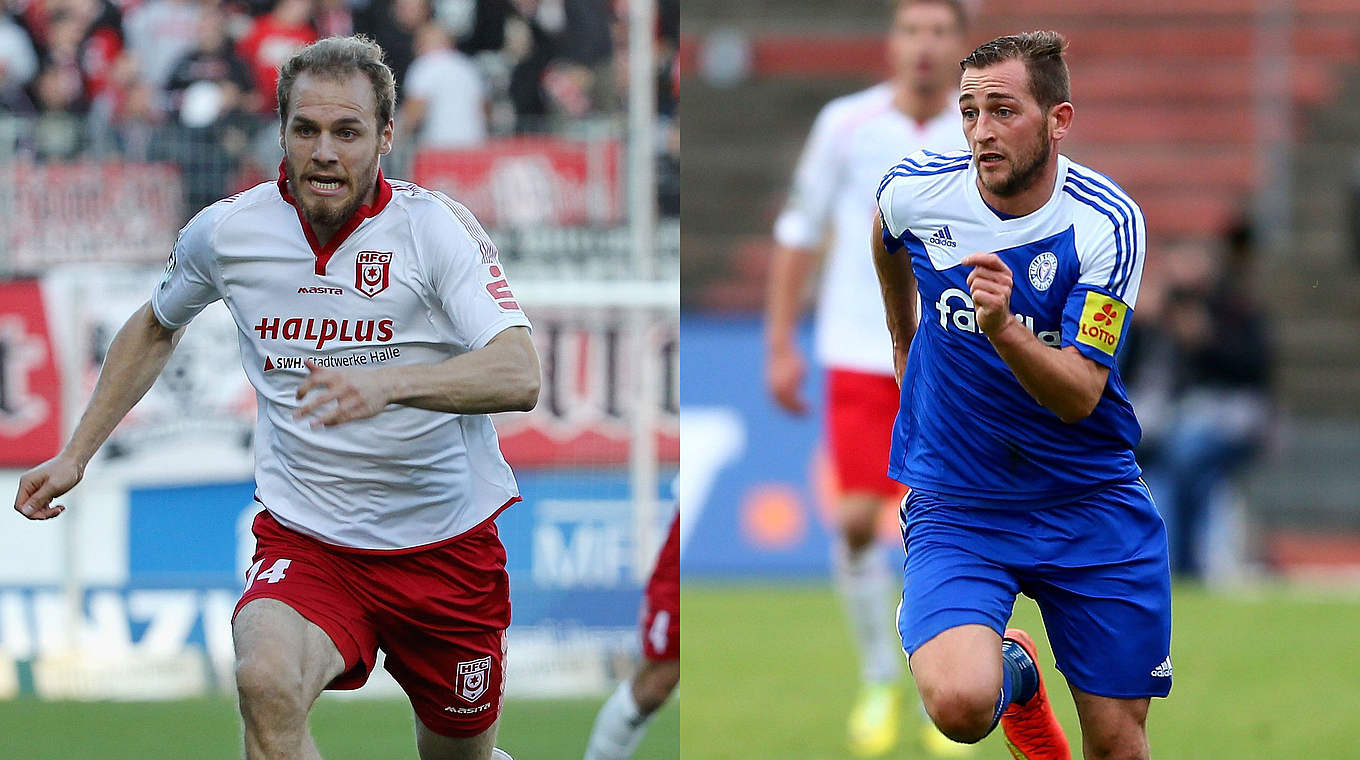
(324, 331)
(1102, 322)
(371, 270)
(964, 318)
(320, 290)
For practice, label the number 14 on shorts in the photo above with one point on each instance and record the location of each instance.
(273, 575)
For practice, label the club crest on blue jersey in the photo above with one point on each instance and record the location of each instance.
(1042, 269)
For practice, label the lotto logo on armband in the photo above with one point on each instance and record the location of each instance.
(1102, 322)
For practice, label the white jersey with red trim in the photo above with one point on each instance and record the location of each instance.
(855, 140)
(412, 280)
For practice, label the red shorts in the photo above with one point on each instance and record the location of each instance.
(661, 606)
(439, 614)
(860, 409)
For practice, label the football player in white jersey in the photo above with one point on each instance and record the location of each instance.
(379, 331)
(853, 141)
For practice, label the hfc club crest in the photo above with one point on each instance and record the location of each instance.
(472, 678)
(371, 272)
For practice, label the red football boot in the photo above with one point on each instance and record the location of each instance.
(1032, 730)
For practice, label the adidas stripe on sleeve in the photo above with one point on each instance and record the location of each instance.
(1098, 310)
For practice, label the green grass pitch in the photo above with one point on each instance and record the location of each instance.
(1269, 674)
(207, 729)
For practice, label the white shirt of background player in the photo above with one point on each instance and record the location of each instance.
(854, 141)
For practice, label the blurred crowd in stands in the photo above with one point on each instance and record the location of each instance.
(1199, 367)
(192, 81)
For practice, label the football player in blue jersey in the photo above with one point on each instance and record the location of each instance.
(1014, 431)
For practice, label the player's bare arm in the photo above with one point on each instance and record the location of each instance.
(1062, 380)
(898, 284)
(502, 376)
(785, 367)
(135, 359)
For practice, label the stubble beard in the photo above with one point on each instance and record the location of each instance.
(1028, 167)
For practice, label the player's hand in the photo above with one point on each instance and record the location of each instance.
(40, 485)
(354, 394)
(900, 363)
(784, 370)
(990, 286)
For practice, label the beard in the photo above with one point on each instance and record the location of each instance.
(331, 213)
(1026, 168)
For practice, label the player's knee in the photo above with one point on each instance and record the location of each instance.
(964, 715)
(654, 683)
(270, 688)
(858, 533)
(859, 520)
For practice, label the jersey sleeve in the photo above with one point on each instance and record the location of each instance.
(188, 285)
(1098, 311)
(468, 278)
(889, 215)
(803, 222)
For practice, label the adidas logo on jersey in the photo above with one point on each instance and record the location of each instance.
(1163, 670)
(942, 237)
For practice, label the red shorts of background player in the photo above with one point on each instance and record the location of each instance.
(860, 410)
(439, 613)
(661, 606)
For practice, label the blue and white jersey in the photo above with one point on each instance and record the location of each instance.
(966, 428)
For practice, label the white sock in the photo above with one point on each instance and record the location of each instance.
(618, 728)
(865, 584)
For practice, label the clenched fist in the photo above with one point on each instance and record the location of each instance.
(990, 285)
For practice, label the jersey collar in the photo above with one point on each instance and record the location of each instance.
(1036, 219)
(323, 253)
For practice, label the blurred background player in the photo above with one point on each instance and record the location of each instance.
(622, 721)
(854, 140)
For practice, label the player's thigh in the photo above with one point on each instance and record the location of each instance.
(1111, 727)
(436, 746)
(1106, 597)
(276, 647)
(442, 615)
(952, 577)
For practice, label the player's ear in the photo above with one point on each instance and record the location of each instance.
(385, 139)
(1059, 120)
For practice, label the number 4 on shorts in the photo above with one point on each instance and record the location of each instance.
(274, 574)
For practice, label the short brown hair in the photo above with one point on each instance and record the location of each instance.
(956, 6)
(337, 58)
(1042, 52)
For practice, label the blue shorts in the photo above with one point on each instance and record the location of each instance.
(1098, 567)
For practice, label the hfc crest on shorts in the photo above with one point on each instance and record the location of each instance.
(372, 272)
(472, 677)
